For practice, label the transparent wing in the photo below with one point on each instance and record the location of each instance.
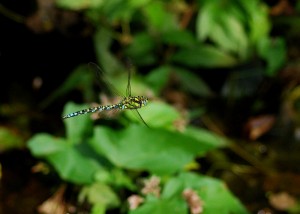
(103, 81)
(130, 70)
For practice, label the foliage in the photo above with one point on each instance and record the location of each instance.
(225, 33)
(169, 37)
(98, 161)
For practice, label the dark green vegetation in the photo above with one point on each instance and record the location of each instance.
(222, 81)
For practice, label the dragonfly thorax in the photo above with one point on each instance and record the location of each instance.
(133, 102)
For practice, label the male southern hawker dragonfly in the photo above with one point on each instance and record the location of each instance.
(128, 101)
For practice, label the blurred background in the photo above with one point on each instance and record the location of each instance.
(219, 134)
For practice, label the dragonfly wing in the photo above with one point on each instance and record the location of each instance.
(128, 88)
(103, 81)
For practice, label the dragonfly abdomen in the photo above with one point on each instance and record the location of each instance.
(93, 110)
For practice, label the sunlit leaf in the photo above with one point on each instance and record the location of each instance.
(206, 20)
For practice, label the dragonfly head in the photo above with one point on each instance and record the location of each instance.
(134, 102)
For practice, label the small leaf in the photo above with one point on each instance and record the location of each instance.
(274, 52)
(203, 56)
(159, 18)
(99, 193)
(9, 140)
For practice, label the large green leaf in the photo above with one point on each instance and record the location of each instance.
(70, 164)
(141, 148)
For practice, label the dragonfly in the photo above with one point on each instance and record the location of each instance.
(128, 102)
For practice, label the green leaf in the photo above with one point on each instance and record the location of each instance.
(204, 56)
(162, 206)
(209, 140)
(214, 194)
(258, 13)
(156, 114)
(43, 144)
(192, 82)
(141, 50)
(67, 161)
(9, 140)
(77, 127)
(73, 166)
(99, 194)
(274, 52)
(141, 148)
(158, 78)
(223, 26)
(180, 38)
(159, 18)
(102, 42)
(206, 20)
(78, 4)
